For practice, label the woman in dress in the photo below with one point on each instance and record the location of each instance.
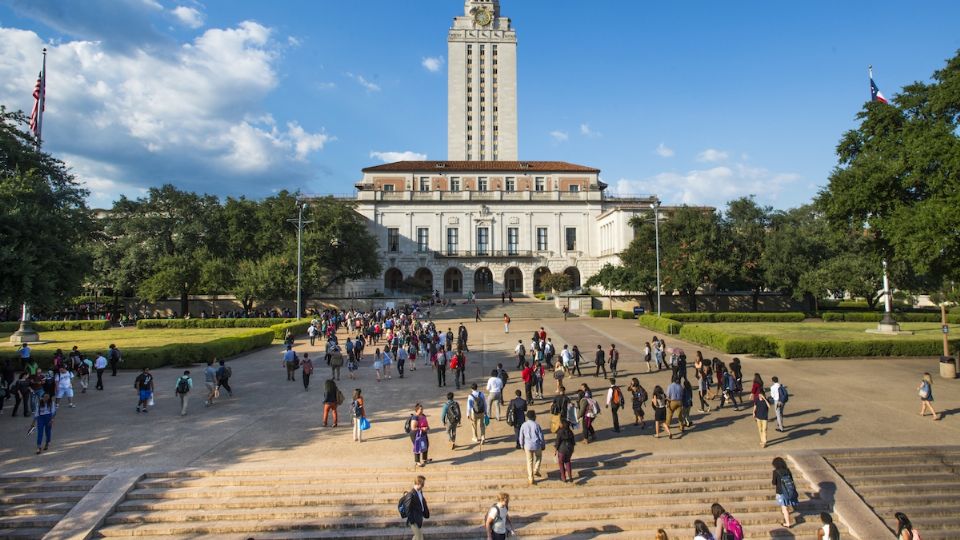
(639, 395)
(564, 445)
(786, 489)
(558, 373)
(418, 434)
(925, 390)
(378, 363)
(757, 387)
(659, 405)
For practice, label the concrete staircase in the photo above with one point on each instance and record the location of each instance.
(493, 310)
(923, 483)
(617, 498)
(31, 505)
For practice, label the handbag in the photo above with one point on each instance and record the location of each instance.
(364, 423)
(554, 423)
(486, 420)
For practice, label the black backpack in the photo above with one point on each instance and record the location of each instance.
(479, 405)
(402, 506)
(408, 424)
(453, 414)
(183, 385)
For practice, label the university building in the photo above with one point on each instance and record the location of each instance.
(485, 221)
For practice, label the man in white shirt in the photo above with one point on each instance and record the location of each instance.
(64, 386)
(521, 353)
(100, 364)
(777, 404)
(494, 392)
(567, 358)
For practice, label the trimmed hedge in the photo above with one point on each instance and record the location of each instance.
(729, 343)
(624, 314)
(738, 317)
(599, 312)
(297, 327)
(660, 324)
(186, 354)
(147, 324)
(839, 348)
(58, 326)
(873, 316)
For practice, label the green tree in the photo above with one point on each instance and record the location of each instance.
(797, 244)
(337, 246)
(638, 270)
(555, 281)
(694, 252)
(746, 225)
(271, 278)
(44, 223)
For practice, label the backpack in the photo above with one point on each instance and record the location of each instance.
(407, 428)
(782, 396)
(502, 374)
(455, 362)
(617, 397)
(183, 385)
(594, 406)
(732, 528)
(453, 414)
(787, 488)
(339, 398)
(522, 351)
(479, 406)
(402, 506)
(511, 416)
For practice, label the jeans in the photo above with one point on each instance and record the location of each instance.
(335, 372)
(357, 432)
(306, 380)
(184, 398)
(225, 383)
(452, 432)
(461, 375)
(400, 364)
(327, 407)
(778, 408)
(588, 432)
(566, 468)
(601, 366)
(616, 420)
(528, 386)
(493, 399)
(441, 375)
(100, 379)
(44, 425)
(534, 457)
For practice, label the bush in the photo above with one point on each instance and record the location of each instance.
(599, 312)
(729, 343)
(838, 348)
(297, 327)
(146, 324)
(624, 314)
(186, 354)
(58, 326)
(738, 317)
(660, 324)
(873, 316)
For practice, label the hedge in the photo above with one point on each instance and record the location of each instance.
(840, 348)
(624, 314)
(738, 317)
(297, 327)
(729, 343)
(872, 316)
(146, 324)
(186, 354)
(58, 326)
(660, 324)
(599, 312)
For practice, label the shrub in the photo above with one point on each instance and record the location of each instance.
(738, 317)
(186, 354)
(599, 312)
(297, 327)
(146, 324)
(729, 343)
(58, 326)
(835, 348)
(624, 314)
(873, 316)
(660, 324)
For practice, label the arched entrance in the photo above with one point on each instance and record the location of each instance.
(574, 275)
(513, 280)
(392, 280)
(424, 279)
(453, 281)
(538, 275)
(483, 281)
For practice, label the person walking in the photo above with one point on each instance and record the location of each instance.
(828, 531)
(497, 523)
(332, 397)
(925, 391)
(778, 393)
(647, 355)
(84, 367)
(521, 353)
(558, 408)
(564, 445)
(527, 376)
(115, 359)
(306, 370)
(144, 386)
(639, 396)
(516, 412)
(506, 323)
(100, 364)
(587, 409)
(477, 314)
(761, 413)
(415, 507)
(451, 416)
(336, 363)
(419, 429)
(577, 357)
(494, 394)
(290, 362)
(725, 523)
(64, 380)
(786, 489)
(600, 361)
(378, 364)
(659, 404)
(675, 403)
(476, 411)
(905, 529)
(210, 381)
(402, 356)
(615, 402)
(532, 442)
(614, 357)
(703, 387)
(182, 390)
(43, 416)
(21, 394)
(460, 372)
(359, 413)
(224, 372)
(441, 366)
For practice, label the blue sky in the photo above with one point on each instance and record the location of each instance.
(698, 102)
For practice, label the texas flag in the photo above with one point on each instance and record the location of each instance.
(875, 94)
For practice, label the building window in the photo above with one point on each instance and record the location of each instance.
(511, 181)
(571, 239)
(574, 188)
(483, 240)
(388, 187)
(482, 181)
(539, 184)
(454, 183)
(423, 239)
(453, 241)
(424, 183)
(513, 240)
(393, 240)
(541, 238)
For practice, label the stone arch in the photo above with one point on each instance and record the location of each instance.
(453, 281)
(513, 280)
(425, 277)
(392, 280)
(483, 281)
(574, 274)
(538, 274)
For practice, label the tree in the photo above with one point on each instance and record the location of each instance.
(555, 282)
(797, 243)
(638, 272)
(44, 223)
(337, 246)
(694, 252)
(270, 278)
(746, 224)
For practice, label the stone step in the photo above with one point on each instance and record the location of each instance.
(943, 488)
(58, 509)
(41, 497)
(882, 478)
(23, 533)
(39, 485)
(864, 470)
(49, 479)
(910, 499)
(31, 522)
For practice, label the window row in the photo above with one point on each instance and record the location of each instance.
(483, 244)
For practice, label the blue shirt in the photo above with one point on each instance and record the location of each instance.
(289, 356)
(674, 392)
(531, 436)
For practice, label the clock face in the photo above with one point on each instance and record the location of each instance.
(482, 17)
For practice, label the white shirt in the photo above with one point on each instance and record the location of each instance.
(499, 526)
(517, 348)
(494, 385)
(474, 395)
(64, 379)
(566, 356)
(100, 362)
(775, 392)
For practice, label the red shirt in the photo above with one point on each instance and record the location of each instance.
(526, 374)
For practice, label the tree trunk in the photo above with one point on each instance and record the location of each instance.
(652, 299)
(756, 300)
(872, 301)
(184, 303)
(811, 302)
(693, 301)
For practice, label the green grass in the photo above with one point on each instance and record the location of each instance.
(823, 331)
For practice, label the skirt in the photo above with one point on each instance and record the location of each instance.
(660, 415)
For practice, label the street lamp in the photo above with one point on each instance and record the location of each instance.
(656, 227)
(301, 205)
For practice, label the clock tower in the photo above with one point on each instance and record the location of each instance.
(482, 85)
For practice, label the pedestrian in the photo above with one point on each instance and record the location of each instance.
(730, 390)
(312, 334)
(925, 391)
(210, 381)
(84, 367)
(786, 489)
(115, 359)
(531, 439)
(559, 372)
(224, 372)
(725, 523)
(182, 390)
(516, 412)
(419, 435)
(306, 370)
(659, 404)
(476, 411)
(402, 356)
(144, 386)
(828, 531)
(415, 507)
(460, 371)
(25, 353)
(290, 362)
(378, 363)
(587, 410)
(558, 408)
(686, 404)
(494, 393)
(639, 396)
(353, 363)
(21, 394)
(64, 380)
(332, 397)
(527, 376)
(675, 402)
(451, 416)
(521, 353)
(647, 355)
(703, 387)
(615, 402)
(477, 317)
(778, 392)
(905, 529)
(506, 323)
(577, 357)
(497, 523)
(662, 535)
(701, 531)
(600, 361)
(387, 362)
(564, 445)
(100, 364)
(761, 412)
(43, 416)
(756, 389)
(538, 378)
(566, 312)
(440, 364)
(614, 358)
(359, 413)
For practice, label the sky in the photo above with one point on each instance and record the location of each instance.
(695, 102)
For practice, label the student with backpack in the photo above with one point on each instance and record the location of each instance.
(639, 396)
(564, 445)
(413, 507)
(828, 531)
(476, 411)
(521, 353)
(614, 403)
(779, 394)
(182, 390)
(516, 410)
(419, 429)
(786, 489)
(306, 370)
(223, 377)
(761, 413)
(497, 522)
(451, 416)
(659, 404)
(359, 410)
(728, 528)
(587, 409)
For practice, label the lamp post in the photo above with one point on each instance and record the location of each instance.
(301, 205)
(887, 323)
(656, 228)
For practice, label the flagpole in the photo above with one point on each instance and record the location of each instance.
(42, 98)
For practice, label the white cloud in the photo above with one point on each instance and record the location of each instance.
(369, 86)
(559, 136)
(664, 151)
(587, 132)
(132, 119)
(188, 16)
(390, 157)
(432, 63)
(712, 155)
(326, 85)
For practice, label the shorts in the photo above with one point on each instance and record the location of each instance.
(64, 392)
(145, 395)
(782, 501)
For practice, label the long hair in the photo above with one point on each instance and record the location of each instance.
(699, 527)
(832, 532)
(716, 510)
(903, 522)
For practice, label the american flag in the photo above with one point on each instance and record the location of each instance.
(39, 97)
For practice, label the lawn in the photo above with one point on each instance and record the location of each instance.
(845, 331)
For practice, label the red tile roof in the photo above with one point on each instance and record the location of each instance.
(481, 166)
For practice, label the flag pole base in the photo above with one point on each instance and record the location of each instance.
(26, 334)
